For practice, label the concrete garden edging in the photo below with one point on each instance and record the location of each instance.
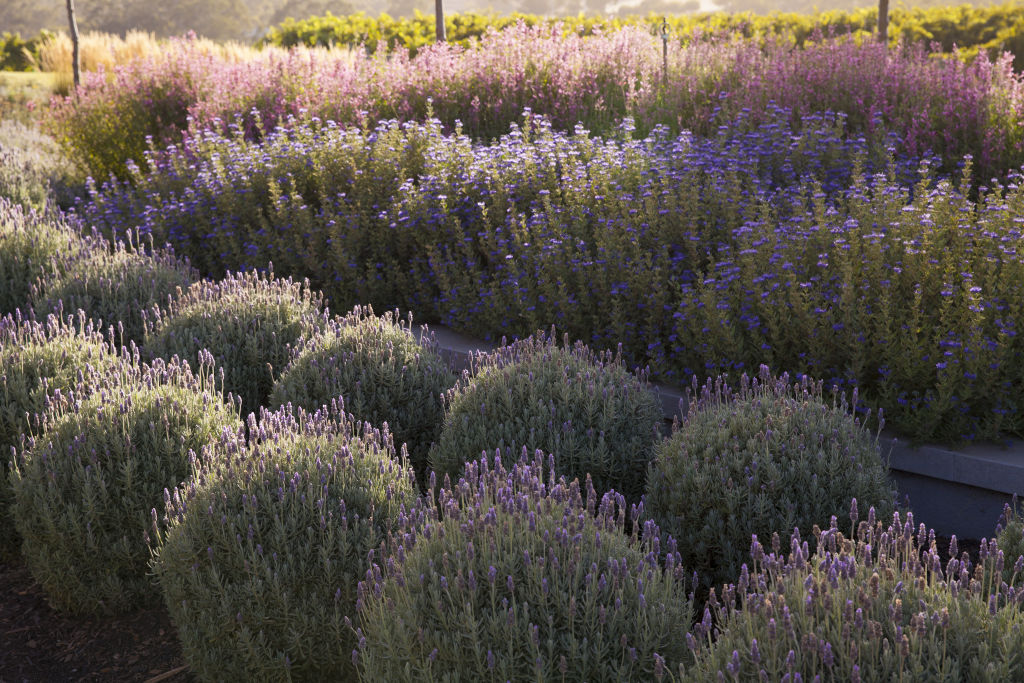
(958, 491)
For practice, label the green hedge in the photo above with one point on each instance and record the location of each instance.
(21, 54)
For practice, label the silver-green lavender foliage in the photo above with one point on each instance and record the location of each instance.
(248, 321)
(85, 487)
(586, 409)
(33, 247)
(34, 171)
(769, 457)
(516, 574)
(877, 605)
(116, 285)
(264, 549)
(1010, 536)
(38, 363)
(383, 373)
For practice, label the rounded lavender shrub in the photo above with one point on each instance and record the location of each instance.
(514, 575)
(85, 487)
(265, 548)
(115, 285)
(33, 247)
(776, 457)
(595, 417)
(248, 321)
(37, 362)
(383, 373)
(877, 605)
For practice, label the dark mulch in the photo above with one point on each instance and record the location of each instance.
(40, 644)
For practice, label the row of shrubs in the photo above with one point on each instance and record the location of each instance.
(969, 28)
(302, 545)
(934, 105)
(801, 247)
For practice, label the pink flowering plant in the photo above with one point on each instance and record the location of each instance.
(940, 105)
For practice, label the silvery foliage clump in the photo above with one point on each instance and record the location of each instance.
(586, 409)
(768, 457)
(250, 322)
(264, 548)
(40, 364)
(84, 487)
(34, 247)
(518, 574)
(34, 172)
(877, 605)
(116, 283)
(383, 372)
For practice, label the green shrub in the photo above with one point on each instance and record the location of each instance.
(115, 285)
(21, 54)
(33, 247)
(513, 575)
(262, 556)
(249, 322)
(36, 361)
(584, 408)
(880, 607)
(85, 487)
(383, 373)
(776, 457)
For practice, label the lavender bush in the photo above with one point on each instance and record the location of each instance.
(85, 486)
(34, 246)
(383, 373)
(877, 605)
(595, 418)
(778, 246)
(263, 550)
(512, 574)
(40, 362)
(115, 284)
(778, 457)
(248, 321)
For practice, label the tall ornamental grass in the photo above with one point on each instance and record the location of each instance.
(947, 106)
(794, 247)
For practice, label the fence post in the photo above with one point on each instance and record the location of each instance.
(664, 51)
(883, 21)
(76, 55)
(439, 20)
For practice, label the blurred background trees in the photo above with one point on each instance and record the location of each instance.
(249, 19)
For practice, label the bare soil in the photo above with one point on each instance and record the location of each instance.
(39, 644)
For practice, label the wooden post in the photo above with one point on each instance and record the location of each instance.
(439, 20)
(883, 21)
(664, 52)
(76, 55)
